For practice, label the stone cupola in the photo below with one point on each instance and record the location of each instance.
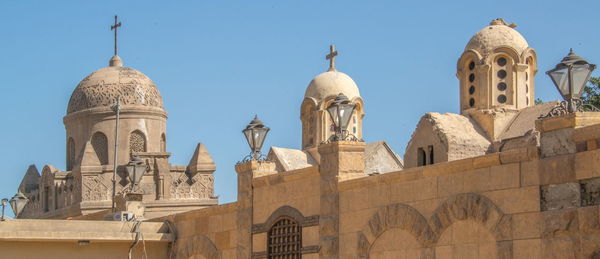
(90, 116)
(497, 75)
(497, 69)
(316, 122)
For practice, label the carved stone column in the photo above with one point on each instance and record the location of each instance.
(340, 161)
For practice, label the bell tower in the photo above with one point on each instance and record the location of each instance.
(496, 73)
(320, 93)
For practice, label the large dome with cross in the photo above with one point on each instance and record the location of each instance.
(101, 89)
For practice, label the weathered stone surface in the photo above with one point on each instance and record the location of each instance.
(560, 196)
(559, 223)
(557, 142)
(590, 192)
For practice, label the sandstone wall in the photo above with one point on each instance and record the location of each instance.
(485, 207)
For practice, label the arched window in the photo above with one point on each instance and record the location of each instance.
(163, 143)
(284, 239)
(100, 145)
(137, 142)
(70, 154)
(421, 157)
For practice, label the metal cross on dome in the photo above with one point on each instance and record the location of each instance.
(331, 57)
(114, 27)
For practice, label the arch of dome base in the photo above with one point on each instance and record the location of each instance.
(427, 232)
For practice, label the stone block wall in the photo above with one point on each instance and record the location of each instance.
(206, 233)
(504, 205)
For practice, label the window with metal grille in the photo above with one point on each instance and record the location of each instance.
(285, 240)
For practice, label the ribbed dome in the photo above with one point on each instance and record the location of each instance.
(497, 34)
(332, 83)
(101, 88)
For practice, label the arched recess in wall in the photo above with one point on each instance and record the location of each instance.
(197, 246)
(163, 143)
(70, 154)
(460, 207)
(100, 145)
(307, 116)
(137, 142)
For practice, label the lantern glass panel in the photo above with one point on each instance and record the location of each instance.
(249, 137)
(333, 113)
(259, 135)
(345, 114)
(580, 74)
(561, 80)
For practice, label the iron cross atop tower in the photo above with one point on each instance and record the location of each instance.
(331, 57)
(114, 27)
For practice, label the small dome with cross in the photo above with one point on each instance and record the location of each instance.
(332, 82)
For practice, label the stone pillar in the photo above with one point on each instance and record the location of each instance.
(340, 161)
(131, 202)
(556, 133)
(246, 172)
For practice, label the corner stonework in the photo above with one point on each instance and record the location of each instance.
(246, 171)
(340, 161)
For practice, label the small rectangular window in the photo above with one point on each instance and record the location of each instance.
(46, 198)
(431, 160)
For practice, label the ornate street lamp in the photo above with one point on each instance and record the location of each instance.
(135, 170)
(570, 76)
(17, 203)
(255, 134)
(341, 111)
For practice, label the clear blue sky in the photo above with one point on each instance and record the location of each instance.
(217, 63)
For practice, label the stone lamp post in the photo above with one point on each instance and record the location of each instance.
(341, 111)
(570, 76)
(255, 134)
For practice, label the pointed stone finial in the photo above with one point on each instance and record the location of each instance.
(201, 161)
(115, 61)
(30, 181)
(88, 160)
(331, 57)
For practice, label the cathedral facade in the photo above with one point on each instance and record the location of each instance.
(499, 180)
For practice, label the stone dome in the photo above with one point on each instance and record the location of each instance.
(497, 34)
(331, 83)
(101, 88)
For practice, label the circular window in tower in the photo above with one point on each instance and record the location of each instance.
(502, 86)
(501, 98)
(471, 65)
(501, 62)
(471, 77)
(471, 102)
(472, 89)
(502, 73)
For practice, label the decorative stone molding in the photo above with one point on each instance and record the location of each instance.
(198, 245)
(288, 212)
(468, 206)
